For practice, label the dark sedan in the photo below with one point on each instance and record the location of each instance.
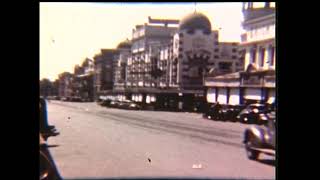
(230, 112)
(251, 114)
(127, 104)
(261, 139)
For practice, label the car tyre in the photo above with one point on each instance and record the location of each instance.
(251, 154)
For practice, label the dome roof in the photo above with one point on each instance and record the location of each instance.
(195, 21)
(124, 44)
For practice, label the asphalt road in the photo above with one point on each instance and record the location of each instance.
(99, 142)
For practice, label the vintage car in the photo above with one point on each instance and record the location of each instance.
(127, 104)
(230, 112)
(114, 103)
(261, 139)
(251, 114)
(211, 112)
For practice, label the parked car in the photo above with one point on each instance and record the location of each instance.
(213, 112)
(105, 102)
(230, 112)
(114, 103)
(134, 106)
(127, 104)
(76, 99)
(261, 139)
(251, 114)
(65, 99)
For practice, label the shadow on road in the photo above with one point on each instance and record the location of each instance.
(270, 162)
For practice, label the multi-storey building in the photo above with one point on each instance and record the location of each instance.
(120, 69)
(143, 71)
(65, 85)
(103, 72)
(257, 82)
(167, 65)
(82, 84)
(164, 66)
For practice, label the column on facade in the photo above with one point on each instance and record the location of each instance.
(247, 57)
(266, 57)
(274, 58)
(261, 55)
(271, 56)
(255, 51)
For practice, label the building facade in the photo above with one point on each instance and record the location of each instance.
(65, 85)
(104, 72)
(256, 82)
(166, 66)
(120, 70)
(82, 83)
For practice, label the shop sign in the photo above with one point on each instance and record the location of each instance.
(252, 80)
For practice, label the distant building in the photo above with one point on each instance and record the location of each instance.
(167, 65)
(82, 84)
(120, 69)
(65, 85)
(104, 72)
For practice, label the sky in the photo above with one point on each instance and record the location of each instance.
(71, 32)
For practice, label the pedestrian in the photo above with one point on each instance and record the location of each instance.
(44, 125)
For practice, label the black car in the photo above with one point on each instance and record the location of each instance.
(76, 99)
(114, 103)
(213, 112)
(105, 102)
(252, 114)
(127, 104)
(230, 112)
(261, 139)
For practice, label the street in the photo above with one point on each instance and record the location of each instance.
(100, 142)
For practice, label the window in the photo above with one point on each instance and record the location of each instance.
(216, 57)
(180, 49)
(234, 57)
(225, 66)
(253, 56)
(272, 56)
(180, 34)
(261, 56)
(216, 36)
(216, 43)
(234, 50)
(216, 50)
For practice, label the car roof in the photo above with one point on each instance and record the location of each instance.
(256, 105)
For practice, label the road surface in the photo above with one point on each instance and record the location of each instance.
(100, 142)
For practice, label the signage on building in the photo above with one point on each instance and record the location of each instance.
(252, 80)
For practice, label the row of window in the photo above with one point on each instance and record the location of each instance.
(270, 50)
